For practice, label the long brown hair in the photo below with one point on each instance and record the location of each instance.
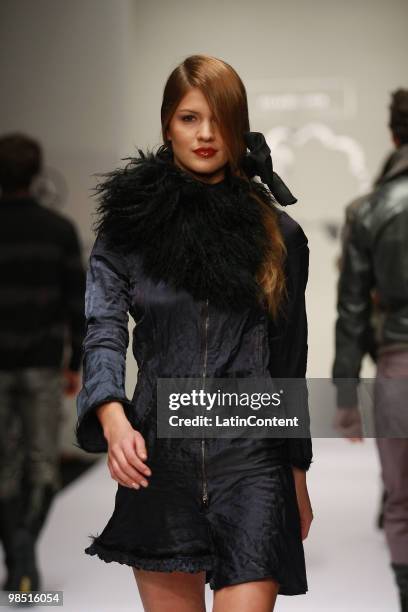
(227, 99)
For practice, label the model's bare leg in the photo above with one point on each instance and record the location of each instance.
(259, 595)
(167, 592)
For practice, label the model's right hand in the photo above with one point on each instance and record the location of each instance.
(126, 447)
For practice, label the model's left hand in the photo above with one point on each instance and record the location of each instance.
(303, 500)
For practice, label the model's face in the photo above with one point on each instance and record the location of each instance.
(196, 141)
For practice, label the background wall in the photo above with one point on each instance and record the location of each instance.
(86, 78)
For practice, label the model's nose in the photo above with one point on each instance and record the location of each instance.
(206, 131)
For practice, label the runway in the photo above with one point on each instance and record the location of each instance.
(347, 560)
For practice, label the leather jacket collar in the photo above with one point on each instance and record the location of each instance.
(395, 165)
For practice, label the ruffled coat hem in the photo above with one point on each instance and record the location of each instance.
(175, 564)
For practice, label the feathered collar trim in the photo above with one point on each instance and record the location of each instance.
(208, 239)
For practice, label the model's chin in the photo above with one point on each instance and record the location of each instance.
(203, 164)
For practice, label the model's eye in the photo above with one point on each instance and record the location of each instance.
(188, 118)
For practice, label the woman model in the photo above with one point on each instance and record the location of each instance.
(213, 273)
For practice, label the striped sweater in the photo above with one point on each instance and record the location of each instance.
(42, 287)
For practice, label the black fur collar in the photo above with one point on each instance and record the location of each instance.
(207, 239)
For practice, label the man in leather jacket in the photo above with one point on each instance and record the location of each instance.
(375, 268)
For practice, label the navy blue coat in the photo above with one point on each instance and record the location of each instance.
(186, 280)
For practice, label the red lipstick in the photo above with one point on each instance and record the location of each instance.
(205, 152)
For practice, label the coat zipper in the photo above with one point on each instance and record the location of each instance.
(205, 489)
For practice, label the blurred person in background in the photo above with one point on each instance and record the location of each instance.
(42, 283)
(375, 269)
(371, 339)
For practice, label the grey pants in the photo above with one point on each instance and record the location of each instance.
(30, 424)
(391, 411)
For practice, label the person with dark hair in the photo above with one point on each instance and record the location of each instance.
(42, 282)
(375, 263)
(214, 274)
(20, 162)
(398, 122)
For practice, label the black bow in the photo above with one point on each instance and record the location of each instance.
(259, 162)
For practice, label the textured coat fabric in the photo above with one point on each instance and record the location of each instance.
(180, 256)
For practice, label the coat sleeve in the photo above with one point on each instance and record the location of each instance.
(289, 344)
(107, 301)
(354, 305)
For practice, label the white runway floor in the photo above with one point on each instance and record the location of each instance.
(347, 560)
